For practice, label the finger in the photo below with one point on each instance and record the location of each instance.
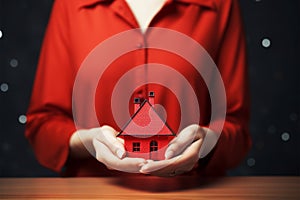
(189, 156)
(152, 166)
(182, 141)
(177, 165)
(121, 140)
(131, 165)
(107, 136)
(105, 156)
(110, 129)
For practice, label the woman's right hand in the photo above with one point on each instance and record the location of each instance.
(103, 144)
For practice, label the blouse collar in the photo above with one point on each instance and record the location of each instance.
(205, 3)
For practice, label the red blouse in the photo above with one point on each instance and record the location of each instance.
(76, 27)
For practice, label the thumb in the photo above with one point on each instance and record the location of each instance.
(107, 135)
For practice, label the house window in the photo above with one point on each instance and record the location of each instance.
(136, 146)
(153, 146)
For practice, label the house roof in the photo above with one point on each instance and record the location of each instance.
(146, 122)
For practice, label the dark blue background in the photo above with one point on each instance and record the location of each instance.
(274, 80)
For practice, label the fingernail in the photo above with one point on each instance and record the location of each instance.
(169, 154)
(120, 153)
(144, 172)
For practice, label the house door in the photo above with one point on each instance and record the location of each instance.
(153, 150)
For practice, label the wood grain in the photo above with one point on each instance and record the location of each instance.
(151, 188)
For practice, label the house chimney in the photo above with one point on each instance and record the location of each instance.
(151, 98)
(137, 103)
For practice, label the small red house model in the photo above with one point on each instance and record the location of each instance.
(146, 135)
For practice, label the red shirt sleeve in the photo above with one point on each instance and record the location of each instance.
(235, 140)
(50, 123)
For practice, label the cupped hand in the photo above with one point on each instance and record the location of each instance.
(181, 155)
(109, 150)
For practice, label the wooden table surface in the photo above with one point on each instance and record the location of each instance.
(148, 187)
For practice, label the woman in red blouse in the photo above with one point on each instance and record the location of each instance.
(76, 27)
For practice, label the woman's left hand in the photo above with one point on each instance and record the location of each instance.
(181, 155)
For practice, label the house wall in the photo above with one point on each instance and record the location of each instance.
(144, 152)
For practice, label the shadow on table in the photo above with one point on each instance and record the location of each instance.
(161, 184)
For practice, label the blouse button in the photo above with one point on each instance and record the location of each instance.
(139, 45)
